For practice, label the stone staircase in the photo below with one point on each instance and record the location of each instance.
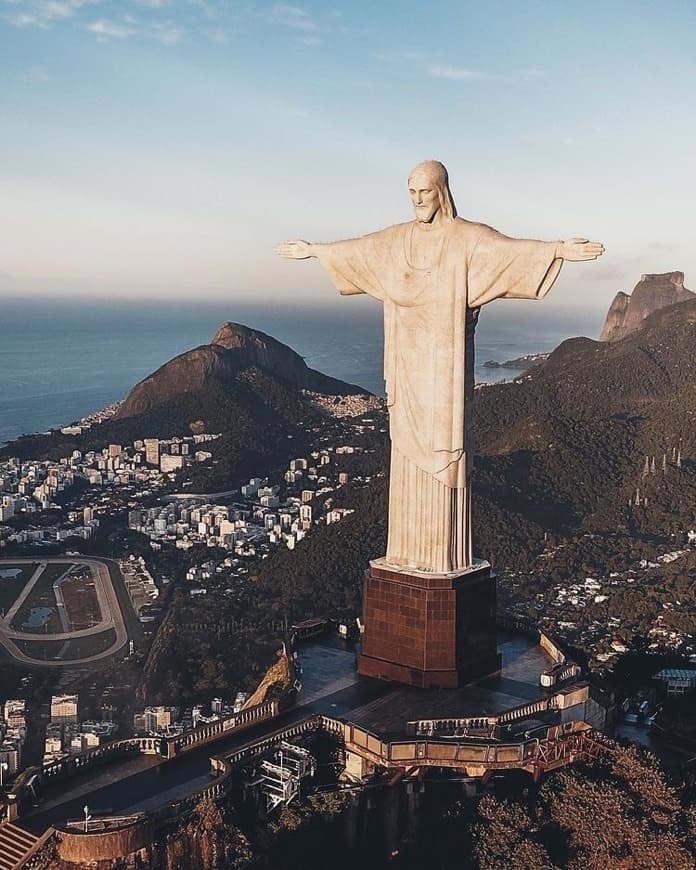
(15, 845)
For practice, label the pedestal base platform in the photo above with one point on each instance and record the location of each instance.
(428, 630)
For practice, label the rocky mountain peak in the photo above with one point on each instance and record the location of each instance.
(235, 348)
(652, 292)
(233, 335)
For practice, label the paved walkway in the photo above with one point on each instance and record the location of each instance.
(324, 671)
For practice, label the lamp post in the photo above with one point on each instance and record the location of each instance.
(3, 767)
(85, 810)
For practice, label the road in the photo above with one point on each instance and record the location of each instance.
(107, 598)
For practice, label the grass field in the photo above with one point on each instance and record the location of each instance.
(81, 604)
(42, 595)
(10, 588)
(71, 650)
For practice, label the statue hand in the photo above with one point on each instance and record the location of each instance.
(295, 250)
(576, 250)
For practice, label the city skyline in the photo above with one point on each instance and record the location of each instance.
(162, 147)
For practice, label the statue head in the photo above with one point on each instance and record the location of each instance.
(428, 185)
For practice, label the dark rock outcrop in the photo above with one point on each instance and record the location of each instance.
(234, 349)
(519, 364)
(627, 312)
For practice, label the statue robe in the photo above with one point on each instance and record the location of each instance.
(429, 320)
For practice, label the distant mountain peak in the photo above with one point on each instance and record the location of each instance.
(676, 278)
(234, 349)
(233, 335)
(653, 291)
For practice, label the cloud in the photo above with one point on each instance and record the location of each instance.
(164, 32)
(153, 4)
(107, 29)
(25, 20)
(208, 8)
(167, 33)
(456, 73)
(43, 13)
(450, 72)
(56, 9)
(293, 17)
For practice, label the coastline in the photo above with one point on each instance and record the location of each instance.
(65, 363)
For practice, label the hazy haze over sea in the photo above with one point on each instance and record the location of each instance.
(63, 359)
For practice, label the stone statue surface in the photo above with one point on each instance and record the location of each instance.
(432, 275)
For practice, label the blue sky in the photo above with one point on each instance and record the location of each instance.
(162, 147)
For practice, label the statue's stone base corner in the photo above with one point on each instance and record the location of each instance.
(429, 630)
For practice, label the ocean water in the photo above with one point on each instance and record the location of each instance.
(62, 359)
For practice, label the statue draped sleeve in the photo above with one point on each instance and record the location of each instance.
(358, 265)
(500, 267)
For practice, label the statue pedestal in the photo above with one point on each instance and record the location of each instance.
(428, 630)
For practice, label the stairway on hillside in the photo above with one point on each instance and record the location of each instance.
(15, 843)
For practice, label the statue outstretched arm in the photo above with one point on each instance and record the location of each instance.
(354, 265)
(501, 267)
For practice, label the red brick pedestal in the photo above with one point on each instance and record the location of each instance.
(428, 630)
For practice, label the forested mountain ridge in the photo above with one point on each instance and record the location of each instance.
(581, 423)
(586, 379)
(573, 433)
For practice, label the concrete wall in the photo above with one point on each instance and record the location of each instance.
(81, 848)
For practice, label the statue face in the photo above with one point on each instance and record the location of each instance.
(424, 196)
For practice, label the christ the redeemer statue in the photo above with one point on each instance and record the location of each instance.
(432, 275)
